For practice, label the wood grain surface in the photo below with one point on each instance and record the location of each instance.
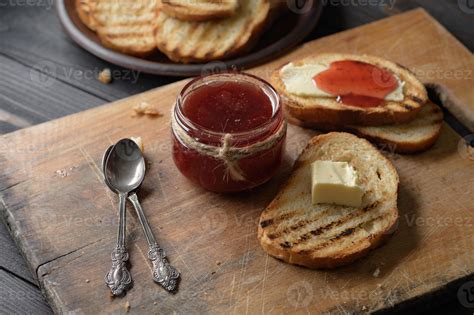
(65, 225)
(17, 292)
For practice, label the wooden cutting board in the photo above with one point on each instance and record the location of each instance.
(64, 218)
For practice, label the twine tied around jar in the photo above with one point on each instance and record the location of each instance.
(228, 154)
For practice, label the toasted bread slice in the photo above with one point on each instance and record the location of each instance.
(411, 137)
(185, 41)
(328, 110)
(199, 10)
(294, 230)
(84, 10)
(127, 26)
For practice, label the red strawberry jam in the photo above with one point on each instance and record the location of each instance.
(356, 83)
(228, 132)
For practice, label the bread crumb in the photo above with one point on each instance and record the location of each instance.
(145, 108)
(139, 142)
(218, 263)
(62, 173)
(87, 280)
(376, 273)
(105, 76)
(127, 306)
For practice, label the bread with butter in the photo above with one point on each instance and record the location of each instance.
(411, 137)
(294, 230)
(328, 110)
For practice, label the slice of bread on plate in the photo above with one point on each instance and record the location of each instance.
(327, 109)
(414, 136)
(84, 10)
(127, 26)
(199, 10)
(185, 41)
(294, 230)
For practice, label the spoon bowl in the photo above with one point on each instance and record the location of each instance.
(124, 168)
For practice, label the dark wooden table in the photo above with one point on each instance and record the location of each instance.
(31, 37)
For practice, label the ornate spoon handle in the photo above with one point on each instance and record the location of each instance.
(163, 273)
(118, 278)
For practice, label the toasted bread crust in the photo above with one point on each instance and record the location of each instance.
(312, 258)
(127, 27)
(384, 137)
(196, 13)
(83, 8)
(347, 257)
(329, 111)
(212, 40)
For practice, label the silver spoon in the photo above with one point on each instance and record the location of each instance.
(163, 273)
(120, 172)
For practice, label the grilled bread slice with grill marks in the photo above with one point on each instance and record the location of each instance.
(84, 10)
(411, 137)
(127, 26)
(185, 41)
(328, 110)
(199, 10)
(294, 230)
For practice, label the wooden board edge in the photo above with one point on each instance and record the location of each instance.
(454, 105)
(4, 219)
(442, 294)
(458, 108)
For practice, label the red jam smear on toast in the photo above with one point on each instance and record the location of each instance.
(356, 83)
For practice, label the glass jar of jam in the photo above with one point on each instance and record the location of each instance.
(228, 131)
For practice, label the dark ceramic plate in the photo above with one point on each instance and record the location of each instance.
(286, 32)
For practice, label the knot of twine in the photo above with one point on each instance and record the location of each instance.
(228, 154)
